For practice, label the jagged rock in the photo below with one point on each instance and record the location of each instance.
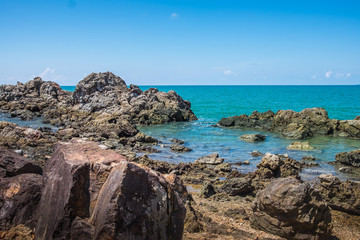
(237, 186)
(291, 209)
(253, 137)
(87, 191)
(296, 125)
(12, 164)
(256, 154)
(301, 146)
(223, 167)
(349, 158)
(207, 190)
(309, 164)
(274, 166)
(346, 169)
(357, 118)
(180, 148)
(342, 196)
(212, 159)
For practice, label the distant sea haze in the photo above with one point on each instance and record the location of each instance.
(212, 103)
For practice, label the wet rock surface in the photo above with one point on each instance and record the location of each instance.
(180, 148)
(296, 125)
(291, 209)
(300, 146)
(212, 159)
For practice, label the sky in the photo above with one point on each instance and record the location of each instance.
(182, 42)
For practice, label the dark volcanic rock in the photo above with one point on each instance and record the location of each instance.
(98, 194)
(256, 154)
(12, 164)
(291, 209)
(253, 137)
(349, 158)
(296, 125)
(342, 196)
(178, 141)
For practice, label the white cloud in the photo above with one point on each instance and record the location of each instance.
(174, 15)
(348, 75)
(229, 72)
(343, 75)
(328, 74)
(46, 72)
(313, 77)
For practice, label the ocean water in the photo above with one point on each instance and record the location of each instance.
(211, 103)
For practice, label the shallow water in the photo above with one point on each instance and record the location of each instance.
(33, 123)
(211, 103)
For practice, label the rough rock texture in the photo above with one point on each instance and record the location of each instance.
(101, 104)
(291, 209)
(296, 125)
(342, 196)
(349, 158)
(20, 232)
(253, 137)
(21, 184)
(237, 186)
(98, 194)
(274, 166)
(256, 153)
(300, 146)
(212, 159)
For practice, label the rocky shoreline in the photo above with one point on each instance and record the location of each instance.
(296, 125)
(88, 181)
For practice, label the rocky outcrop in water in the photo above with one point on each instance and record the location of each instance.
(296, 125)
(349, 158)
(101, 104)
(253, 137)
(342, 196)
(291, 209)
(90, 193)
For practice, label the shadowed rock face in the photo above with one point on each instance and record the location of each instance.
(94, 193)
(296, 125)
(291, 209)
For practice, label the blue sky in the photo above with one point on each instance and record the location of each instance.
(179, 42)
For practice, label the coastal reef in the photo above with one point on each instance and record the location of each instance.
(296, 125)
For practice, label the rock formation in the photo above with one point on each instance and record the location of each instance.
(253, 137)
(349, 158)
(342, 196)
(291, 209)
(296, 125)
(89, 193)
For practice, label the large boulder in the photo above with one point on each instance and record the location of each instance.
(256, 137)
(94, 193)
(291, 209)
(349, 158)
(342, 196)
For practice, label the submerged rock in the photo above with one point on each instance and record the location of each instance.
(291, 209)
(349, 158)
(301, 146)
(296, 125)
(253, 137)
(212, 159)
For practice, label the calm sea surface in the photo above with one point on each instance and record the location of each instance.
(211, 103)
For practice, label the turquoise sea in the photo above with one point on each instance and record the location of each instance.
(211, 103)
